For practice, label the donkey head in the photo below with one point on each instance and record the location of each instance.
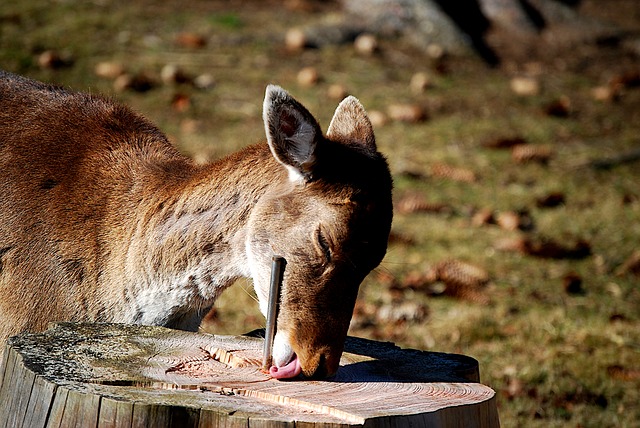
(329, 217)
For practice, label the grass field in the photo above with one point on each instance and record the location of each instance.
(553, 316)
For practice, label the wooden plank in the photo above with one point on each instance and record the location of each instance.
(270, 423)
(144, 414)
(184, 417)
(323, 425)
(58, 408)
(115, 413)
(154, 415)
(211, 418)
(81, 410)
(72, 410)
(40, 402)
(3, 364)
(23, 382)
(6, 389)
(108, 413)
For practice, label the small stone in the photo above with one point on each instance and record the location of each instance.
(420, 82)
(108, 69)
(366, 44)
(508, 220)
(122, 82)
(435, 51)
(172, 74)
(604, 93)
(378, 119)
(482, 217)
(308, 76)
(295, 39)
(138, 83)
(204, 81)
(337, 91)
(53, 59)
(525, 86)
(406, 112)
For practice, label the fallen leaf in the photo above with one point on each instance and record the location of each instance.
(560, 107)
(181, 102)
(551, 200)
(630, 266)
(190, 40)
(619, 372)
(504, 142)
(549, 249)
(572, 283)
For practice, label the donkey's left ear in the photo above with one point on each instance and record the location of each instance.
(350, 124)
(292, 133)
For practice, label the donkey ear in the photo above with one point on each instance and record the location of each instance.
(292, 132)
(350, 124)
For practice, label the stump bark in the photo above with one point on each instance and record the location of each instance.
(112, 375)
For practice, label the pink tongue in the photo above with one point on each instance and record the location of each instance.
(292, 369)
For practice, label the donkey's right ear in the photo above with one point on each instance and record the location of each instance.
(292, 133)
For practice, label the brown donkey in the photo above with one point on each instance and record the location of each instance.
(102, 220)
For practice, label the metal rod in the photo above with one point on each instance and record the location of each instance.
(277, 270)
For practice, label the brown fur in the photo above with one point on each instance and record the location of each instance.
(102, 220)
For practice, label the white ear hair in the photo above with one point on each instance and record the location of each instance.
(291, 131)
(350, 124)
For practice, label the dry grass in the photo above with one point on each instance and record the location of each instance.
(558, 337)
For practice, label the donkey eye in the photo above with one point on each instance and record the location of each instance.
(323, 245)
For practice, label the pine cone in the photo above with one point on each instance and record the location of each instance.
(463, 280)
(464, 175)
(416, 203)
(524, 153)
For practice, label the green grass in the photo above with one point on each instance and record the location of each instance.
(549, 354)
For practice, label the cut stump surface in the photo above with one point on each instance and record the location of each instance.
(113, 375)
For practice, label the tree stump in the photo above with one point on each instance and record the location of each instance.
(113, 375)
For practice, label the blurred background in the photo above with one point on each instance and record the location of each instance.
(512, 129)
